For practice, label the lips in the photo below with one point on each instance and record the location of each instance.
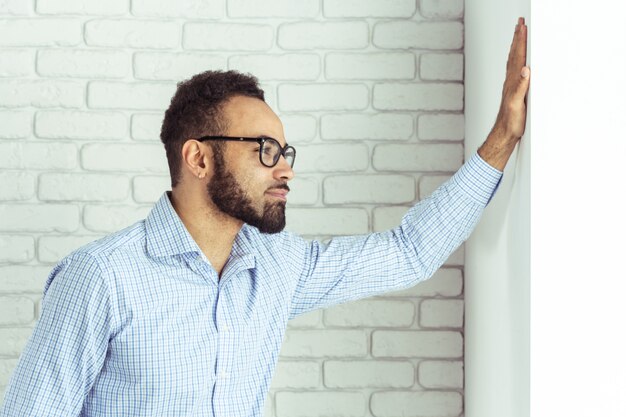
(279, 192)
(282, 194)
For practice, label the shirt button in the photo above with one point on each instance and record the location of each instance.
(199, 258)
(225, 329)
(224, 374)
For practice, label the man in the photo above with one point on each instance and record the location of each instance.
(183, 314)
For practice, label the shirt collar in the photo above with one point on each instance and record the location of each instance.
(166, 235)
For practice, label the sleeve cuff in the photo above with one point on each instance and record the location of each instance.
(478, 179)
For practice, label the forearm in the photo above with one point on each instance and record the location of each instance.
(497, 148)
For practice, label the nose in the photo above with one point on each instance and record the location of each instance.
(282, 170)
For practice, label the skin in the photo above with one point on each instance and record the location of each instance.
(215, 231)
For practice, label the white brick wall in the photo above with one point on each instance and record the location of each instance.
(370, 92)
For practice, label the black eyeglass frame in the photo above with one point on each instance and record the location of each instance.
(260, 140)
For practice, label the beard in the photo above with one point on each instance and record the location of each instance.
(231, 199)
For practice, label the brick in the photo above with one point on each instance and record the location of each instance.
(299, 128)
(54, 248)
(304, 191)
(417, 344)
(303, 97)
(441, 127)
(40, 32)
(327, 221)
(422, 35)
(15, 8)
(80, 125)
(307, 320)
(440, 157)
(17, 63)
(273, 8)
(83, 63)
(441, 374)
(416, 404)
(23, 278)
(441, 67)
(118, 95)
(371, 313)
(323, 35)
(441, 9)
(359, 126)
(169, 66)
(15, 248)
(441, 313)
(228, 36)
(371, 8)
(194, 9)
(331, 158)
(106, 218)
(41, 93)
(386, 218)
(15, 124)
(146, 126)
(390, 189)
(114, 157)
(324, 343)
(38, 217)
(133, 33)
(148, 189)
(392, 96)
(38, 155)
(95, 7)
(14, 340)
(368, 374)
(319, 404)
(16, 185)
(278, 67)
(6, 370)
(16, 310)
(82, 187)
(370, 66)
(296, 375)
(429, 183)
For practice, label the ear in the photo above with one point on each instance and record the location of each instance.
(196, 159)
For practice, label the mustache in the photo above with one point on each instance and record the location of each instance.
(282, 186)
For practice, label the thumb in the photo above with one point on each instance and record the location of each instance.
(522, 85)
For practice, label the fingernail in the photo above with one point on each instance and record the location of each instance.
(525, 72)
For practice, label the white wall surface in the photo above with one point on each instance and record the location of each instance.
(578, 313)
(83, 85)
(545, 320)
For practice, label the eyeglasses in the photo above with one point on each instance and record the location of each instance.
(269, 150)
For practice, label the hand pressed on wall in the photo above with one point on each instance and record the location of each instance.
(511, 120)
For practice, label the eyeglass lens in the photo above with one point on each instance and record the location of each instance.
(271, 151)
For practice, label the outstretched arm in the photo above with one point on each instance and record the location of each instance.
(511, 121)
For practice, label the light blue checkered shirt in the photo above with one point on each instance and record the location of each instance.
(138, 323)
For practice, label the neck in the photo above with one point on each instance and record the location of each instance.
(212, 230)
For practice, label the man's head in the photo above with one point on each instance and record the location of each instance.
(229, 174)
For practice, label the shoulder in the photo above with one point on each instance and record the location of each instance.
(88, 265)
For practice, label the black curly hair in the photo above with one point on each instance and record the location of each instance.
(195, 110)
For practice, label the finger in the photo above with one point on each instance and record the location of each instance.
(517, 53)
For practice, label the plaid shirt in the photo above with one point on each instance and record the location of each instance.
(139, 323)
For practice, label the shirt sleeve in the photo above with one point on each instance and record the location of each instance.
(68, 346)
(350, 268)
